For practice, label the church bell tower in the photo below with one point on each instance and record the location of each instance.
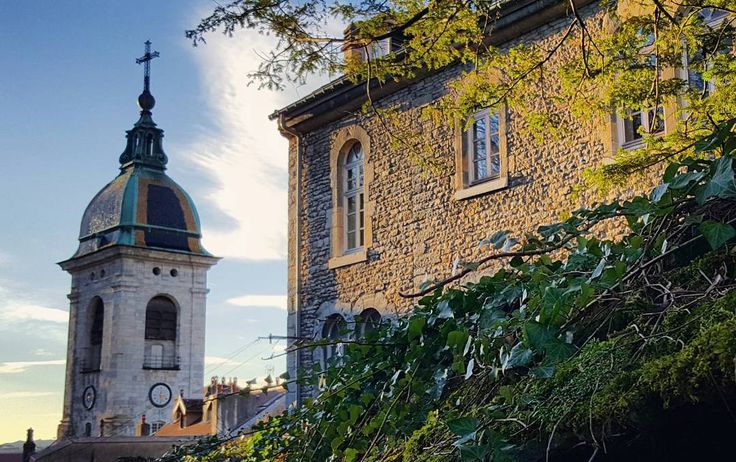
(138, 296)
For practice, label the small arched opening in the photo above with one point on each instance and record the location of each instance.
(367, 322)
(92, 355)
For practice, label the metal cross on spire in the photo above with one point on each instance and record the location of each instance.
(146, 60)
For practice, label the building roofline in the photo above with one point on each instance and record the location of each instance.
(515, 19)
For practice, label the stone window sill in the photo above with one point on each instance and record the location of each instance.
(348, 259)
(482, 188)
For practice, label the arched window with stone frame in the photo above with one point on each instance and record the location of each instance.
(161, 334)
(367, 322)
(333, 331)
(350, 177)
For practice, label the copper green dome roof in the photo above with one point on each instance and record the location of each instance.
(142, 207)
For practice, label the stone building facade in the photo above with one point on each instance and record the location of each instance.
(416, 224)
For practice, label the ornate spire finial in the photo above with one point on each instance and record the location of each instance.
(146, 100)
(144, 140)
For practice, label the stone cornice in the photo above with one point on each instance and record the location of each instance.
(112, 253)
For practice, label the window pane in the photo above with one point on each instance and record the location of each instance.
(350, 179)
(493, 126)
(479, 130)
(495, 165)
(632, 127)
(495, 149)
(656, 123)
(351, 204)
(480, 170)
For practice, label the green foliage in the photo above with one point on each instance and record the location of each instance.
(577, 337)
(604, 336)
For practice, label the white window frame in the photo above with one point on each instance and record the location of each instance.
(156, 426)
(485, 116)
(637, 140)
(468, 183)
(375, 49)
(713, 23)
(354, 170)
(624, 124)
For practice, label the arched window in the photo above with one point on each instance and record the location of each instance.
(161, 333)
(353, 197)
(333, 330)
(160, 319)
(92, 356)
(368, 321)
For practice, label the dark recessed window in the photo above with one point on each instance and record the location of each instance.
(156, 270)
(174, 273)
(160, 319)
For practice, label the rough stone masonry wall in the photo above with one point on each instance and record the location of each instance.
(418, 227)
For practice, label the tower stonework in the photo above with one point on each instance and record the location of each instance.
(138, 296)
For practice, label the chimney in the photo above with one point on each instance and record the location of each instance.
(29, 447)
(143, 429)
(351, 48)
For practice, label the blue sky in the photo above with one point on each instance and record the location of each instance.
(68, 88)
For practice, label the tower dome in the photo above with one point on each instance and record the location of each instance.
(142, 207)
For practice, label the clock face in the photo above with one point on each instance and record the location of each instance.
(89, 397)
(160, 395)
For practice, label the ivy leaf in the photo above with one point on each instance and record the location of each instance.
(351, 454)
(537, 335)
(598, 270)
(445, 310)
(463, 426)
(542, 372)
(469, 368)
(557, 351)
(658, 192)
(456, 339)
(722, 182)
(716, 233)
(683, 180)
(416, 325)
(519, 356)
(473, 452)
(440, 380)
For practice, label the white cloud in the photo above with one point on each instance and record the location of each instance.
(218, 361)
(22, 311)
(16, 367)
(42, 352)
(273, 301)
(29, 394)
(246, 156)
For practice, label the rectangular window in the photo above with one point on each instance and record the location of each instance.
(484, 146)
(638, 123)
(696, 61)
